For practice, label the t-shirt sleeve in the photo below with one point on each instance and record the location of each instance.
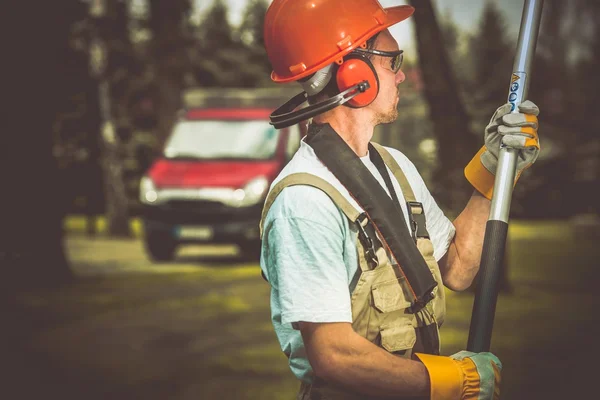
(303, 257)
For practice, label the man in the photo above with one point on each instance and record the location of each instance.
(356, 317)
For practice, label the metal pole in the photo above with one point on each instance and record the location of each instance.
(484, 307)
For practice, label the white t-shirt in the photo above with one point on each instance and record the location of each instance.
(309, 253)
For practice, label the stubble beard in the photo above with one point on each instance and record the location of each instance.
(387, 117)
(391, 114)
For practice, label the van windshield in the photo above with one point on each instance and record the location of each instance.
(208, 139)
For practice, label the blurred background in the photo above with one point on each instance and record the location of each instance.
(137, 154)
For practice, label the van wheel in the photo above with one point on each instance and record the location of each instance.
(160, 249)
(251, 250)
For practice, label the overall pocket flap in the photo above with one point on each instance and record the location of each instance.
(398, 338)
(389, 296)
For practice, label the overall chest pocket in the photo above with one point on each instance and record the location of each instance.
(389, 296)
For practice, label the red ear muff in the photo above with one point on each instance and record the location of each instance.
(355, 69)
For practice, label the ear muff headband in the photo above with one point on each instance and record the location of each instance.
(285, 115)
(358, 68)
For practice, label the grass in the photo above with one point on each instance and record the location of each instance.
(78, 224)
(198, 330)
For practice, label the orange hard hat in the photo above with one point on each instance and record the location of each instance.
(303, 36)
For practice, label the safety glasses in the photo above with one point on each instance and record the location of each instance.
(396, 57)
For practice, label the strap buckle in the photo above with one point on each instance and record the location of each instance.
(416, 214)
(366, 241)
(419, 304)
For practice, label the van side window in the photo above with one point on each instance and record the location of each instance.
(293, 142)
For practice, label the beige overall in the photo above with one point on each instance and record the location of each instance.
(381, 300)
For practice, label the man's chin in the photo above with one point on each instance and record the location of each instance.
(390, 117)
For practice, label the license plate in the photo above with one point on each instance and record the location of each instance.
(195, 232)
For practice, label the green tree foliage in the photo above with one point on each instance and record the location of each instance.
(553, 74)
(171, 66)
(585, 80)
(123, 66)
(228, 57)
(215, 32)
(492, 56)
(458, 54)
(251, 30)
(450, 35)
(217, 58)
(579, 103)
(252, 36)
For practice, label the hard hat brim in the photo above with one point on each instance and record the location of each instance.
(392, 16)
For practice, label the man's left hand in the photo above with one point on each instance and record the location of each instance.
(516, 130)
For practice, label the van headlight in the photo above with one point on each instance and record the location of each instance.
(148, 193)
(250, 194)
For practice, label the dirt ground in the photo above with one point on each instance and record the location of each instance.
(199, 328)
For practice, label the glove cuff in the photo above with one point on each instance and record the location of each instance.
(479, 176)
(446, 378)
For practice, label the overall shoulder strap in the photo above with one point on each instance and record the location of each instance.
(392, 164)
(303, 178)
(416, 213)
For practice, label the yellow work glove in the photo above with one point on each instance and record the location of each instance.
(463, 376)
(516, 130)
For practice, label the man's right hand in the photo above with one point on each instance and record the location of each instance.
(464, 375)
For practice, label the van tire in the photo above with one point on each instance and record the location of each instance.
(160, 249)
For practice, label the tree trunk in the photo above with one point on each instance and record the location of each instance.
(169, 103)
(456, 142)
(32, 204)
(116, 204)
(171, 64)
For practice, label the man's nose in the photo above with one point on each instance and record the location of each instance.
(400, 77)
